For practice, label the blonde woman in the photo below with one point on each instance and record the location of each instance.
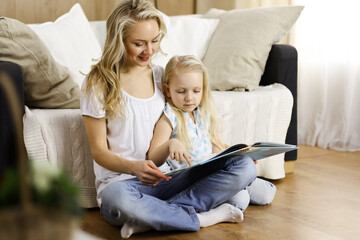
(121, 102)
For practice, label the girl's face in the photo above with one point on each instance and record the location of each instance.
(142, 42)
(185, 90)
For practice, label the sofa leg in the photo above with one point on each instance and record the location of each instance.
(289, 166)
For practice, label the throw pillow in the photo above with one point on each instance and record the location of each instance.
(47, 84)
(240, 46)
(71, 41)
(186, 35)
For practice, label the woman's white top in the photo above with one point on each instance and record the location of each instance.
(129, 138)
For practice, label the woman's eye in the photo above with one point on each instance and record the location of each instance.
(155, 40)
(139, 44)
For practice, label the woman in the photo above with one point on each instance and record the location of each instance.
(121, 102)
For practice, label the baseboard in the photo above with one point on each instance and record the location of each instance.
(289, 166)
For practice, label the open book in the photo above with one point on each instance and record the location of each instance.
(256, 151)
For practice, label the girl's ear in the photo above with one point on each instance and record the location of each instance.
(167, 91)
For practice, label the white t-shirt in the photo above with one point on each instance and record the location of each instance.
(129, 138)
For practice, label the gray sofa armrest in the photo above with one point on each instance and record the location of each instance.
(282, 67)
(8, 149)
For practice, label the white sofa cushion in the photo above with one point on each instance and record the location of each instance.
(71, 41)
(186, 35)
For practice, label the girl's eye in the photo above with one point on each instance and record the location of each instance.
(139, 44)
(180, 92)
(197, 91)
(155, 40)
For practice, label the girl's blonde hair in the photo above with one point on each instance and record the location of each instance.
(104, 77)
(176, 66)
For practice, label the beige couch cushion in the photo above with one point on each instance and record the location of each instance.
(240, 46)
(47, 84)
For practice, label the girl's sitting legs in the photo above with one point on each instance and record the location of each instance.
(260, 192)
(240, 200)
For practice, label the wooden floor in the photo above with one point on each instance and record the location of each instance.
(320, 200)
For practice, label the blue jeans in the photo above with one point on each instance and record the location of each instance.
(259, 192)
(173, 205)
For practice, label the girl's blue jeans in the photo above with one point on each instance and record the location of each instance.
(173, 205)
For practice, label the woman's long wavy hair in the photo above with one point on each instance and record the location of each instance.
(176, 66)
(104, 77)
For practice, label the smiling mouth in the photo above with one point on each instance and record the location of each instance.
(144, 59)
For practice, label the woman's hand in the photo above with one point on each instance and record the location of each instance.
(147, 172)
(178, 151)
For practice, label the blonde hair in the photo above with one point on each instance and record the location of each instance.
(176, 66)
(104, 77)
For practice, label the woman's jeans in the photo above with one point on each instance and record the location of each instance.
(173, 205)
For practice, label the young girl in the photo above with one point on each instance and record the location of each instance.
(121, 102)
(187, 132)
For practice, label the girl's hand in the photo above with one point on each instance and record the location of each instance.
(178, 151)
(147, 172)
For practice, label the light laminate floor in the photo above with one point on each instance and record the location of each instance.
(320, 200)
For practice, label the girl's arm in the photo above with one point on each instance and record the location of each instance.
(162, 146)
(145, 170)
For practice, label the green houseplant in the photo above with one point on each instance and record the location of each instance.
(36, 201)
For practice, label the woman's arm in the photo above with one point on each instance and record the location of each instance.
(162, 146)
(146, 171)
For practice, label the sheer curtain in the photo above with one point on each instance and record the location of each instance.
(328, 42)
(327, 38)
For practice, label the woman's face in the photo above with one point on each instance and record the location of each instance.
(142, 42)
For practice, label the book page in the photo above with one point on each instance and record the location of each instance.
(257, 151)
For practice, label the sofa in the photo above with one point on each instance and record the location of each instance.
(48, 62)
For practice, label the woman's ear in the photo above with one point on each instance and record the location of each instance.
(166, 89)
